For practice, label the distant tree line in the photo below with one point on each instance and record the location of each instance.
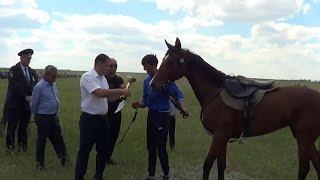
(61, 74)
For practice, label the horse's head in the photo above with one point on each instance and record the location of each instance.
(171, 68)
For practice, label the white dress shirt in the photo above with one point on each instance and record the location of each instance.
(90, 103)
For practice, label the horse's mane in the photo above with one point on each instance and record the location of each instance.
(209, 72)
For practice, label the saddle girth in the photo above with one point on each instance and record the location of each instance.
(244, 94)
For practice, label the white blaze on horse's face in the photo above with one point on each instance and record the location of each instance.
(181, 60)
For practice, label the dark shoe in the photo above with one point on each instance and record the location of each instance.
(95, 177)
(172, 145)
(65, 162)
(166, 177)
(22, 148)
(150, 178)
(41, 167)
(111, 162)
(9, 151)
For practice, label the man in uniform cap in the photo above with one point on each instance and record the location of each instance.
(17, 104)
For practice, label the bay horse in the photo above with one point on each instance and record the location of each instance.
(296, 107)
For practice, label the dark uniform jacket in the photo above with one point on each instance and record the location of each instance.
(19, 88)
(114, 83)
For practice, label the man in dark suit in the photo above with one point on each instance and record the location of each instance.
(114, 82)
(17, 104)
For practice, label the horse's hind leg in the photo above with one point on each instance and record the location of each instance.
(315, 158)
(304, 158)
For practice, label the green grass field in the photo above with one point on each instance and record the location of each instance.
(272, 156)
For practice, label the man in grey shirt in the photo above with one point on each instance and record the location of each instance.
(44, 106)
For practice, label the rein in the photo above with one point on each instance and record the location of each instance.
(202, 109)
(216, 94)
(201, 112)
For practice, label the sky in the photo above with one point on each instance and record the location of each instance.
(278, 39)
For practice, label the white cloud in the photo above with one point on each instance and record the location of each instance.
(245, 11)
(283, 33)
(22, 13)
(306, 8)
(6, 2)
(30, 13)
(191, 22)
(70, 40)
(19, 3)
(174, 6)
(273, 49)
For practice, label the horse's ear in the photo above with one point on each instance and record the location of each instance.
(168, 45)
(177, 44)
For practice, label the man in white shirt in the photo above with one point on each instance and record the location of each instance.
(94, 127)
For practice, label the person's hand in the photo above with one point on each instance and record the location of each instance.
(184, 114)
(28, 98)
(136, 104)
(126, 92)
(184, 111)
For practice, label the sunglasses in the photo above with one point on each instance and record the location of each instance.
(113, 65)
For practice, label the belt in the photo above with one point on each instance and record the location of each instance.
(95, 116)
(46, 114)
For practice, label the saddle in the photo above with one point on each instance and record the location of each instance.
(244, 94)
(242, 87)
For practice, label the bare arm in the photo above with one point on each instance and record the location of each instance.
(112, 99)
(111, 93)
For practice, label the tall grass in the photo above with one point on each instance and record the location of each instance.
(272, 156)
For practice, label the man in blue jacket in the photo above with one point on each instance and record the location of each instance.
(158, 116)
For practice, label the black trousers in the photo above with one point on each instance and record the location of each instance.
(172, 129)
(48, 127)
(94, 129)
(157, 133)
(115, 124)
(17, 118)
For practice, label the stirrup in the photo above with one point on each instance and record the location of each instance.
(239, 140)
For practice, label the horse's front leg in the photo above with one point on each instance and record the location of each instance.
(217, 150)
(208, 162)
(221, 163)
